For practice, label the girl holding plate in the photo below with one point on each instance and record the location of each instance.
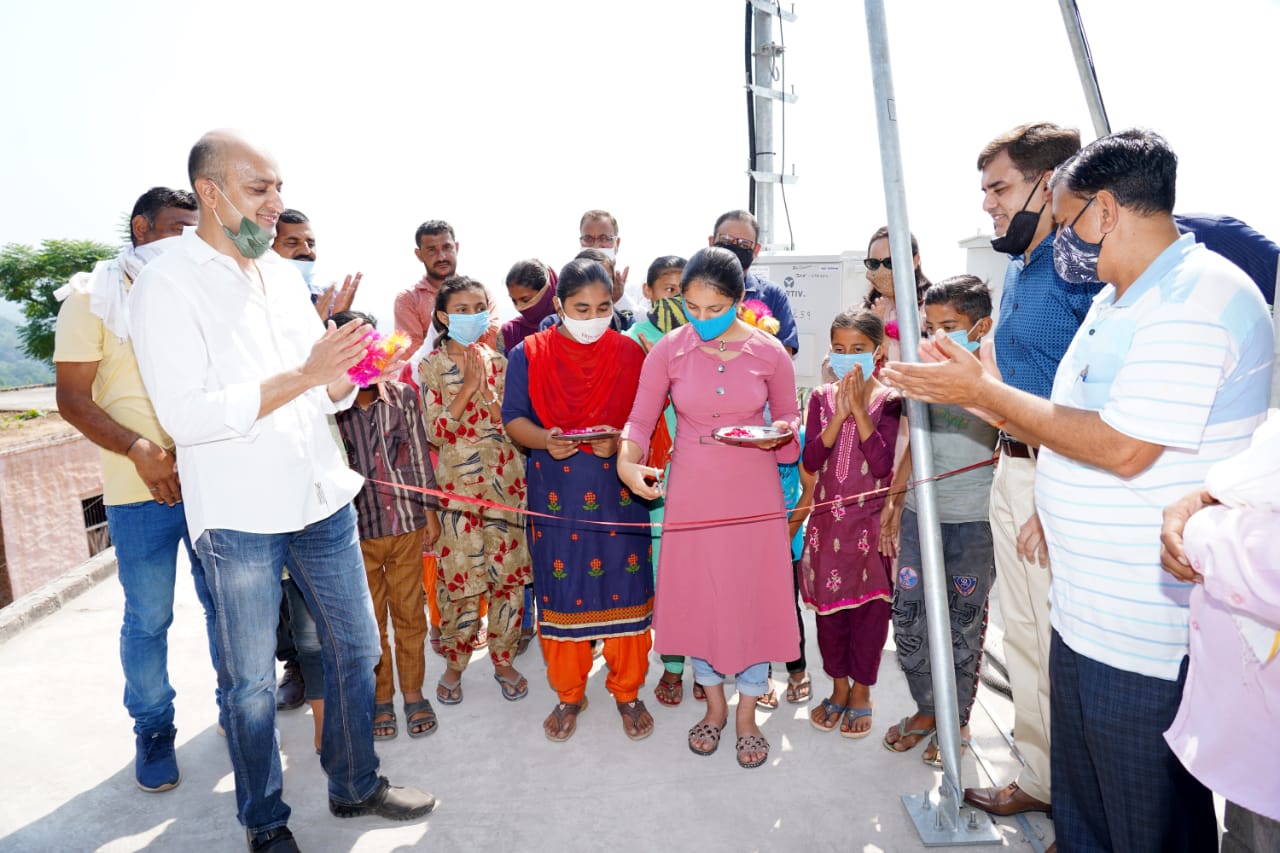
(725, 593)
(569, 388)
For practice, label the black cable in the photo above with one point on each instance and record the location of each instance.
(782, 148)
(751, 119)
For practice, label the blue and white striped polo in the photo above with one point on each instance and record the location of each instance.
(1183, 359)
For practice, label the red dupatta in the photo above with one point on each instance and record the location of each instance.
(575, 386)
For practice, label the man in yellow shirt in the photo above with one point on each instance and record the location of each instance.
(100, 392)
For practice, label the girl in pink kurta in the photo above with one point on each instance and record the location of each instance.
(724, 592)
(850, 436)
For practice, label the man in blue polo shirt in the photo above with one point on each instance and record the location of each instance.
(739, 232)
(1039, 314)
(1168, 374)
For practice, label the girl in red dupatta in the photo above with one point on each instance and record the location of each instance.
(591, 562)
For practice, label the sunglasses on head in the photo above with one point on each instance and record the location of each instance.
(874, 264)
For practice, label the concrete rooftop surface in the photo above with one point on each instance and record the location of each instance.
(67, 748)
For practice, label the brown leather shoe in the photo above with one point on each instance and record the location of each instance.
(1005, 801)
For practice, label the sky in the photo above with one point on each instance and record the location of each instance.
(509, 119)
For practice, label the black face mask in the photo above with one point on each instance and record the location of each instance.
(744, 256)
(1022, 228)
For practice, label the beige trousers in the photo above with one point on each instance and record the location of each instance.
(1023, 588)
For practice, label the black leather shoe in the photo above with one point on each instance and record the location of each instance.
(279, 840)
(387, 801)
(291, 692)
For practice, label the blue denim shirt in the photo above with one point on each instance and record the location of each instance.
(776, 298)
(1039, 315)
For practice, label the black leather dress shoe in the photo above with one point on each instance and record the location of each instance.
(291, 692)
(279, 840)
(387, 801)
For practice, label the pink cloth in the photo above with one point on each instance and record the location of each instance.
(415, 306)
(1227, 732)
(724, 592)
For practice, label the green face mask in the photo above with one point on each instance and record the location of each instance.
(253, 240)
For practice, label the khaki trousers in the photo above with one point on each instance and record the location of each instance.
(393, 568)
(1023, 588)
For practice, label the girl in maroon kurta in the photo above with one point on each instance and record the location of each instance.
(724, 591)
(850, 435)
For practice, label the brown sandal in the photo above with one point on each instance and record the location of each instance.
(565, 711)
(798, 691)
(767, 701)
(705, 731)
(631, 713)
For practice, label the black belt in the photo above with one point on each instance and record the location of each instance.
(1012, 447)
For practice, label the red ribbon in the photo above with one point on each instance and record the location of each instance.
(677, 525)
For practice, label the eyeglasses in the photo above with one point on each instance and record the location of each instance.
(874, 264)
(739, 242)
(605, 240)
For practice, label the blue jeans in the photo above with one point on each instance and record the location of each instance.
(146, 536)
(752, 681)
(244, 572)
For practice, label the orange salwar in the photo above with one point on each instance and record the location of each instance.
(569, 664)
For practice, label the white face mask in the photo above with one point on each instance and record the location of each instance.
(586, 331)
(610, 251)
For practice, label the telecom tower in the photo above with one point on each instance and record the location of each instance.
(765, 65)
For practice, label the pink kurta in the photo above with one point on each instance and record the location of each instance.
(724, 591)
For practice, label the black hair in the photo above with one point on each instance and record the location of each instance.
(661, 265)
(431, 228)
(156, 199)
(738, 216)
(453, 285)
(967, 294)
(1137, 166)
(289, 216)
(716, 267)
(342, 318)
(530, 273)
(579, 273)
(860, 320)
(922, 280)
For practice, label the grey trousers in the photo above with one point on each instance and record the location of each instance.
(970, 572)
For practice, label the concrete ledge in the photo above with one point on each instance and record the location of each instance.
(48, 599)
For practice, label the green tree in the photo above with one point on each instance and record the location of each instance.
(29, 276)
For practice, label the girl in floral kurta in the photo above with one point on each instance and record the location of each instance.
(850, 434)
(483, 553)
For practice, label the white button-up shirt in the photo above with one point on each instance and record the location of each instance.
(206, 336)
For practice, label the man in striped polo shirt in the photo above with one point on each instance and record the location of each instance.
(1168, 374)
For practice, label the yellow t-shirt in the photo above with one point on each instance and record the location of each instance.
(81, 337)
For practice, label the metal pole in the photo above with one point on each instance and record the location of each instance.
(937, 823)
(763, 52)
(1084, 66)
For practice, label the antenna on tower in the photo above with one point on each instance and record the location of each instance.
(765, 65)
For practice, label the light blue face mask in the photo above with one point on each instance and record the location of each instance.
(466, 329)
(713, 328)
(308, 270)
(843, 362)
(961, 336)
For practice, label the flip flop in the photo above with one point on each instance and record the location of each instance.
(904, 732)
(385, 709)
(631, 712)
(752, 743)
(851, 714)
(798, 691)
(705, 731)
(936, 760)
(669, 693)
(423, 705)
(699, 692)
(526, 637)
(564, 710)
(832, 713)
(448, 694)
(767, 701)
(511, 691)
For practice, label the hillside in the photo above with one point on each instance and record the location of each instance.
(15, 367)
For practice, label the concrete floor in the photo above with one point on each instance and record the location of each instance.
(67, 750)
